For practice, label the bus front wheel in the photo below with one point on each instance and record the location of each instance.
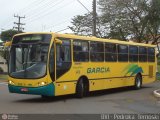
(138, 82)
(80, 89)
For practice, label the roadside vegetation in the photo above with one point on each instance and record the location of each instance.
(3, 77)
(158, 67)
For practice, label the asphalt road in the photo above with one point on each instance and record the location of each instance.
(124, 100)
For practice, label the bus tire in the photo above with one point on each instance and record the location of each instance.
(138, 82)
(80, 89)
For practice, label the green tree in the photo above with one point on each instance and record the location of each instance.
(126, 17)
(139, 19)
(153, 17)
(82, 25)
(8, 34)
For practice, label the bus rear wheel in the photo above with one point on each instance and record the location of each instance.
(138, 82)
(81, 89)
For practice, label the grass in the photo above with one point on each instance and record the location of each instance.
(159, 68)
(158, 78)
(158, 75)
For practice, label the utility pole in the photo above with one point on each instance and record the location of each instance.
(94, 18)
(19, 24)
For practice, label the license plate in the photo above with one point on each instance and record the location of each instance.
(24, 89)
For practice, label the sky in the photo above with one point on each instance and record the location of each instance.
(41, 15)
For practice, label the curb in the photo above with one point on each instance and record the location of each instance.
(157, 93)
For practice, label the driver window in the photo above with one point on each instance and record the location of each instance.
(63, 52)
(63, 57)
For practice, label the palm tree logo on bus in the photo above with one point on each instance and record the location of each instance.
(132, 69)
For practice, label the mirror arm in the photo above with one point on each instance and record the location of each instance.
(58, 41)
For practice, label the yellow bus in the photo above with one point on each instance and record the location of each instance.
(52, 64)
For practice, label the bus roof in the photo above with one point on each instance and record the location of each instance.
(90, 38)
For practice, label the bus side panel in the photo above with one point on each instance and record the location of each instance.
(113, 78)
(101, 75)
(65, 88)
(104, 75)
(149, 73)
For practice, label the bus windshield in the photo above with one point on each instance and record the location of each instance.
(28, 56)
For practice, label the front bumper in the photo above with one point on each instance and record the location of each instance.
(48, 90)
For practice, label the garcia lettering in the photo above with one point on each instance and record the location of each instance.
(98, 70)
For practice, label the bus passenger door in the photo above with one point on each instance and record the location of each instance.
(63, 58)
(52, 63)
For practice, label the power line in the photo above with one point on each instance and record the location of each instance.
(29, 7)
(40, 9)
(83, 6)
(62, 30)
(47, 13)
(36, 9)
(44, 13)
(53, 10)
(58, 24)
(7, 22)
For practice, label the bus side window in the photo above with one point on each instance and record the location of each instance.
(97, 51)
(110, 52)
(142, 54)
(122, 53)
(133, 53)
(151, 55)
(80, 51)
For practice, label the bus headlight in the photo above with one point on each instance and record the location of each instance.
(42, 83)
(11, 82)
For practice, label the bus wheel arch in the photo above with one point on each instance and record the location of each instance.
(82, 87)
(138, 81)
